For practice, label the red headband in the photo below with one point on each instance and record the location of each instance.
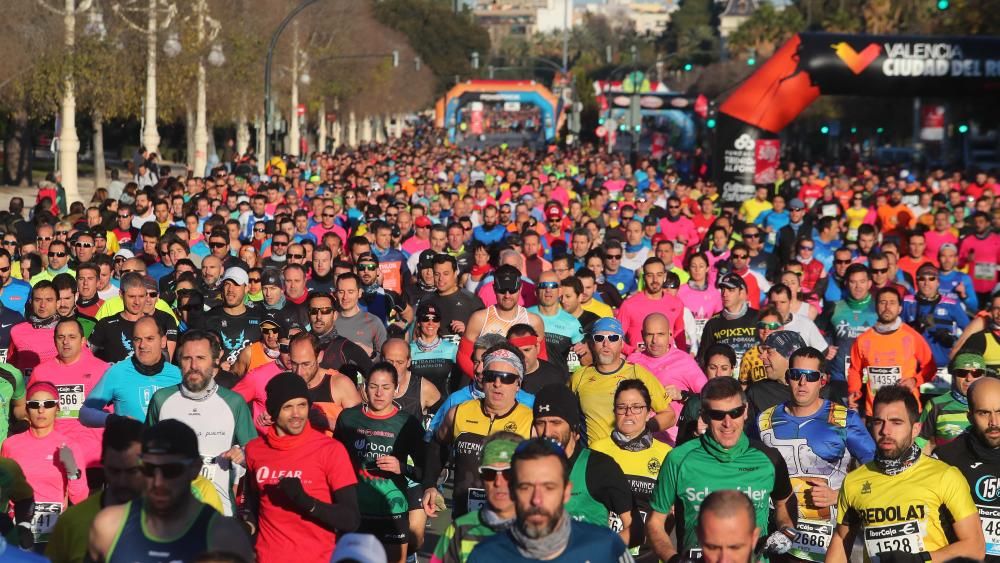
(526, 340)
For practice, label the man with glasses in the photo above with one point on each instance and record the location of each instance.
(623, 279)
(756, 284)
(595, 384)
(563, 331)
(722, 458)
(799, 225)
(465, 426)
(878, 264)
(235, 321)
(836, 287)
(761, 261)
(124, 232)
(58, 263)
(279, 251)
(218, 243)
(889, 353)
(389, 306)
(112, 337)
(946, 416)
(939, 319)
(326, 223)
(45, 236)
(169, 462)
(13, 292)
(337, 350)
(84, 248)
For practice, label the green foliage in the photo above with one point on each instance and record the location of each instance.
(766, 30)
(443, 39)
(692, 34)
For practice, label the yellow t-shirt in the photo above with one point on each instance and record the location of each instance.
(596, 391)
(903, 512)
(598, 308)
(751, 208)
(115, 305)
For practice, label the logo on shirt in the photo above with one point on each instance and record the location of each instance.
(265, 473)
(510, 427)
(866, 488)
(653, 466)
(987, 488)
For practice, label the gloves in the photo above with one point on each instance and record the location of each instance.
(69, 462)
(902, 557)
(292, 488)
(777, 543)
(25, 539)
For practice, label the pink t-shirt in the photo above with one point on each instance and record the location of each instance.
(39, 458)
(252, 389)
(30, 346)
(702, 304)
(676, 368)
(982, 268)
(636, 308)
(681, 230)
(935, 240)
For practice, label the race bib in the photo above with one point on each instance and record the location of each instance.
(694, 554)
(883, 376)
(772, 238)
(985, 271)
(3, 355)
(813, 538)
(208, 468)
(990, 518)
(71, 399)
(904, 536)
(830, 210)
(852, 233)
(46, 514)
(477, 498)
(572, 361)
(679, 248)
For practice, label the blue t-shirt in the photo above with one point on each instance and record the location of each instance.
(129, 390)
(587, 542)
(15, 295)
(491, 236)
(623, 280)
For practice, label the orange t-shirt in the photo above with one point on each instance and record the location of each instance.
(878, 360)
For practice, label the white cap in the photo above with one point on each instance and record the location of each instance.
(363, 548)
(125, 253)
(237, 275)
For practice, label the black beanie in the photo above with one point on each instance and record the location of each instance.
(556, 399)
(283, 388)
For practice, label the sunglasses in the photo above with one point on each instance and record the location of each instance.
(131, 271)
(62, 233)
(806, 248)
(38, 405)
(601, 337)
(276, 243)
(769, 326)
(57, 254)
(330, 215)
(44, 238)
(254, 280)
(926, 278)
(367, 267)
(5, 270)
(751, 235)
(507, 290)
(811, 375)
(269, 331)
(218, 244)
(320, 311)
(739, 256)
(430, 319)
(673, 207)
(671, 285)
(843, 262)
(973, 373)
(152, 294)
(613, 256)
(284, 348)
(548, 285)
(880, 270)
(718, 415)
(10, 243)
(260, 230)
(489, 376)
(124, 216)
(296, 256)
(490, 475)
(171, 470)
(89, 245)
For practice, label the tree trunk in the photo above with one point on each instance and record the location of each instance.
(242, 132)
(100, 170)
(189, 137)
(18, 152)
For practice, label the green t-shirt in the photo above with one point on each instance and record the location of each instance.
(368, 438)
(700, 467)
(943, 419)
(11, 389)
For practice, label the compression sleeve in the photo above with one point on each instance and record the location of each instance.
(343, 515)
(92, 416)
(465, 349)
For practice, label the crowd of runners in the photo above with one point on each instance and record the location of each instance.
(564, 355)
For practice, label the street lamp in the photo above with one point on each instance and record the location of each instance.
(69, 142)
(149, 14)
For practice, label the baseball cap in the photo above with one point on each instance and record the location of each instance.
(554, 212)
(363, 548)
(649, 221)
(425, 309)
(497, 454)
(557, 400)
(796, 203)
(125, 253)
(927, 267)
(968, 360)
(786, 342)
(273, 321)
(150, 283)
(948, 246)
(422, 221)
(507, 279)
(237, 275)
(607, 324)
(731, 281)
(170, 437)
(271, 276)
(426, 259)
(366, 257)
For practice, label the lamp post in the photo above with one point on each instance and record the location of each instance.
(150, 13)
(69, 142)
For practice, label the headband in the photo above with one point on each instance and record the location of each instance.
(526, 340)
(505, 356)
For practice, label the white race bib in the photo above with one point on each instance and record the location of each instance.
(477, 498)
(989, 516)
(883, 376)
(208, 468)
(985, 271)
(772, 238)
(904, 536)
(813, 539)
(830, 210)
(679, 248)
(46, 514)
(71, 399)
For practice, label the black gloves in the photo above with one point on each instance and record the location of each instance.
(292, 488)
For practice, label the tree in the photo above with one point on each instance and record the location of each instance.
(691, 36)
(766, 30)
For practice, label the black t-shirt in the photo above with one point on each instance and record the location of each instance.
(546, 374)
(339, 351)
(605, 481)
(587, 320)
(235, 331)
(458, 306)
(111, 339)
(321, 283)
(978, 464)
(976, 344)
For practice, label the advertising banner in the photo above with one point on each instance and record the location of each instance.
(767, 154)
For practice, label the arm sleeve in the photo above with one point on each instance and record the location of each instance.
(245, 430)
(342, 515)
(465, 348)
(92, 412)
